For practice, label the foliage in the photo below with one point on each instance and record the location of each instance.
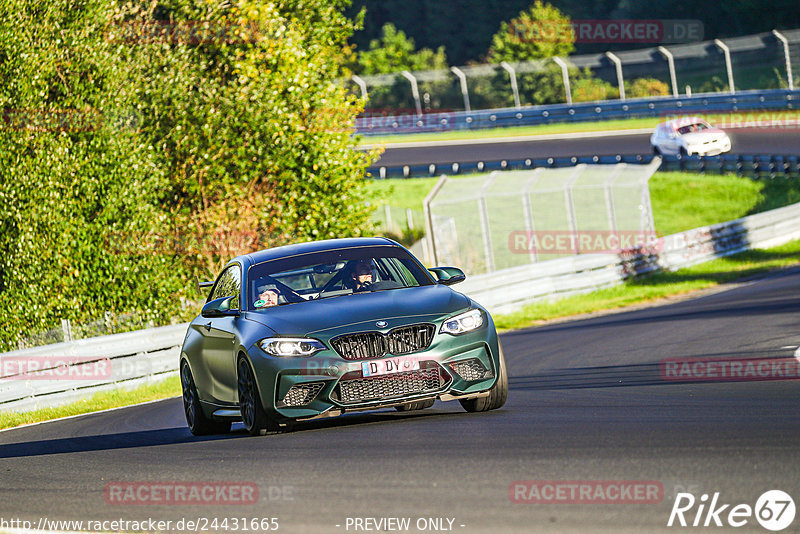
(174, 151)
(541, 31)
(394, 52)
(642, 87)
(589, 89)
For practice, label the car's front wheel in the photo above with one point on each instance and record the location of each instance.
(199, 424)
(254, 417)
(497, 395)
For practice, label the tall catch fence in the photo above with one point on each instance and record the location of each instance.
(398, 102)
(500, 220)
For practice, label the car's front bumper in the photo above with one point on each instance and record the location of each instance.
(452, 367)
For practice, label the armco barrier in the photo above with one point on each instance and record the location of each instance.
(128, 359)
(508, 290)
(760, 100)
(754, 165)
(153, 354)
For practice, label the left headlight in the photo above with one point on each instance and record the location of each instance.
(463, 322)
(290, 346)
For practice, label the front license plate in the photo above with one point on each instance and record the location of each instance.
(389, 366)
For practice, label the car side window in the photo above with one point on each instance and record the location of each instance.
(229, 285)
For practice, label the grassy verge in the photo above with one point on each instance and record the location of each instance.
(164, 389)
(574, 127)
(714, 199)
(657, 286)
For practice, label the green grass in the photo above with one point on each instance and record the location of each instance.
(559, 128)
(681, 201)
(656, 286)
(169, 387)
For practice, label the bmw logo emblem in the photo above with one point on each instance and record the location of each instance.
(381, 324)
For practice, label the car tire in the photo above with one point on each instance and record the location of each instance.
(418, 405)
(497, 395)
(199, 424)
(255, 418)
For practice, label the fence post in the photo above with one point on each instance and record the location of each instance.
(426, 208)
(409, 219)
(530, 225)
(620, 80)
(571, 219)
(565, 75)
(462, 78)
(362, 85)
(483, 213)
(786, 56)
(66, 327)
(512, 74)
(727, 51)
(387, 213)
(671, 62)
(414, 90)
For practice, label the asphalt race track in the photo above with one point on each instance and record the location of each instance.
(586, 402)
(779, 141)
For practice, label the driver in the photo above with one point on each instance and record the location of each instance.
(267, 298)
(362, 276)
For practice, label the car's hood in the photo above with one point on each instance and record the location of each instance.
(696, 138)
(305, 318)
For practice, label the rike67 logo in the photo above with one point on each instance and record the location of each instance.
(774, 510)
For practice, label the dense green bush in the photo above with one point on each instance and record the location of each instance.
(133, 161)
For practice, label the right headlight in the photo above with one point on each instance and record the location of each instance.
(462, 323)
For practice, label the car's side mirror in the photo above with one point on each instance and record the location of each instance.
(448, 275)
(220, 308)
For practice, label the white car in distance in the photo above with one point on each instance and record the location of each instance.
(687, 136)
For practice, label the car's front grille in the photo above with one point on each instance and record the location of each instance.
(407, 339)
(358, 389)
(401, 340)
(360, 346)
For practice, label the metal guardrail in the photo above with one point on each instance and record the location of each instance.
(133, 358)
(756, 165)
(56, 374)
(771, 99)
(508, 290)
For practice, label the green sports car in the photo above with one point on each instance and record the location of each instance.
(319, 329)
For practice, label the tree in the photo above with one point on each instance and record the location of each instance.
(140, 149)
(540, 32)
(394, 52)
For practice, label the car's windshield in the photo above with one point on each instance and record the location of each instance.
(694, 127)
(332, 273)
